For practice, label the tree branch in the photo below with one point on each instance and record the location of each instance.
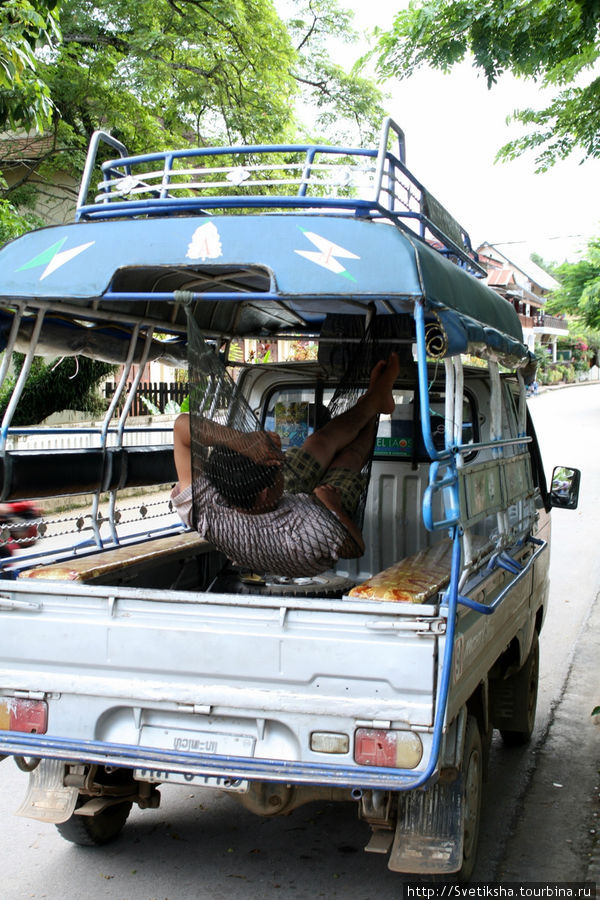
(320, 85)
(309, 33)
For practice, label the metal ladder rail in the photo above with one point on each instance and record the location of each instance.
(449, 483)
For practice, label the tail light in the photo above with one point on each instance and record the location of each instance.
(387, 748)
(30, 716)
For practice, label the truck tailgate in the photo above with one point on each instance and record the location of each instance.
(178, 671)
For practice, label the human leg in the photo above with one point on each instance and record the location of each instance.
(354, 455)
(182, 450)
(341, 432)
(343, 475)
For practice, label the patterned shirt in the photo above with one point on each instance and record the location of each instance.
(300, 537)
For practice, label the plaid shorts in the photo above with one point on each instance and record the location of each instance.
(302, 474)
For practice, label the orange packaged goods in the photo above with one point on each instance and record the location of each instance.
(412, 580)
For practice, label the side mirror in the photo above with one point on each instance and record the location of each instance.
(564, 491)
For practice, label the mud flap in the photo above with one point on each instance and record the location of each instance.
(47, 798)
(429, 830)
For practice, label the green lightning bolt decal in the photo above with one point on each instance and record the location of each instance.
(43, 258)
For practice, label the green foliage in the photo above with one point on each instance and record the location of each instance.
(51, 388)
(579, 292)
(557, 44)
(171, 407)
(549, 267)
(556, 373)
(163, 73)
(14, 223)
(347, 104)
(25, 25)
(175, 73)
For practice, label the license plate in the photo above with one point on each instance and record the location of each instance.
(159, 776)
(206, 742)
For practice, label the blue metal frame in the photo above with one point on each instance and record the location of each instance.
(510, 565)
(162, 203)
(443, 475)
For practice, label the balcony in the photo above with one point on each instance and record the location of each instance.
(543, 324)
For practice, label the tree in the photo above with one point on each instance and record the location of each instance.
(347, 105)
(173, 69)
(55, 385)
(579, 292)
(174, 73)
(14, 223)
(24, 95)
(549, 267)
(556, 44)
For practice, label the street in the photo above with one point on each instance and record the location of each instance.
(541, 810)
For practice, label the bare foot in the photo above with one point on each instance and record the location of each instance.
(381, 383)
(375, 373)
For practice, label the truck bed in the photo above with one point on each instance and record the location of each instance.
(138, 669)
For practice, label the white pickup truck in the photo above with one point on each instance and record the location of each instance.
(132, 660)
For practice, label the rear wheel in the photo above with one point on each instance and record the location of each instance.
(523, 687)
(233, 581)
(105, 826)
(90, 831)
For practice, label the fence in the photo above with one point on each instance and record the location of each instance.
(157, 393)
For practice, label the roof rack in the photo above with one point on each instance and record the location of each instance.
(368, 183)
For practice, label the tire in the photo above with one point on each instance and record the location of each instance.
(327, 585)
(523, 686)
(472, 777)
(91, 831)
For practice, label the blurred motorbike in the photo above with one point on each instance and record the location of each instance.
(18, 526)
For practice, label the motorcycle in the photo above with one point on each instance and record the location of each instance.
(19, 523)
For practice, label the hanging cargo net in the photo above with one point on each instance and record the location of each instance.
(294, 513)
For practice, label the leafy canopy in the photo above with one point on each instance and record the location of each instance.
(55, 385)
(174, 73)
(346, 104)
(169, 71)
(557, 44)
(24, 26)
(579, 292)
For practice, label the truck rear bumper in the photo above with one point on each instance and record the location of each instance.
(231, 767)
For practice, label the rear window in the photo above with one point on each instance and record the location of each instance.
(293, 412)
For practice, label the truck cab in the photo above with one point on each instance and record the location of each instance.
(149, 657)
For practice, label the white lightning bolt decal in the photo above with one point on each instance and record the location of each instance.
(326, 257)
(59, 259)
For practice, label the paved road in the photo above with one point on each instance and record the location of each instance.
(541, 801)
(555, 821)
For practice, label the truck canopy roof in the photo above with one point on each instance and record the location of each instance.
(278, 268)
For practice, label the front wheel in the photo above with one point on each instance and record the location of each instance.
(472, 779)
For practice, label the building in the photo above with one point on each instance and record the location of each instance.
(526, 286)
(31, 163)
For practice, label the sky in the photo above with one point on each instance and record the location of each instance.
(454, 127)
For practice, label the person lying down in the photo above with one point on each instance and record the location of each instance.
(283, 513)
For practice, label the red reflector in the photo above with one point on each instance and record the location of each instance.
(375, 747)
(30, 716)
